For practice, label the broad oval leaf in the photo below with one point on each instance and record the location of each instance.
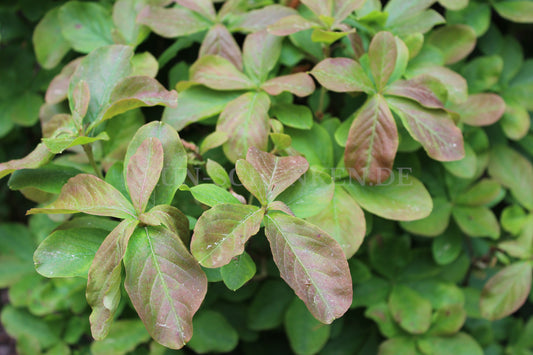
(239, 271)
(143, 172)
(477, 221)
(245, 121)
(299, 84)
(506, 291)
(105, 277)
(481, 109)
(220, 42)
(401, 198)
(291, 24)
(434, 224)
(252, 181)
(312, 263)
(516, 11)
(88, 194)
(455, 41)
(342, 75)
(171, 22)
(219, 73)
(165, 284)
(410, 309)
(343, 8)
(260, 54)
(49, 44)
(221, 233)
(38, 157)
(372, 142)
(382, 55)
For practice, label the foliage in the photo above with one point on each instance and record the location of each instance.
(353, 174)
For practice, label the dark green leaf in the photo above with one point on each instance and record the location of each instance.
(239, 271)
(212, 333)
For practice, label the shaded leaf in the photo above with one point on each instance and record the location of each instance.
(49, 44)
(522, 246)
(221, 233)
(382, 55)
(49, 178)
(434, 224)
(297, 116)
(516, 11)
(212, 333)
(515, 121)
(342, 75)
(214, 140)
(261, 52)
(203, 7)
(81, 97)
(124, 336)
(455, 41)
(220, 42)
(460, 343)
(219, 73)
(165, 284)
(447, 247)
(263, 313)
(392, 346)
(410, 310)
(171, 22)
(238, 272)
(481, 109)
(482, 193)
(321, 278)
(477, 221)
(299, 84)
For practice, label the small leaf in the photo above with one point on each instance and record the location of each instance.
(261, 52)
(212, 141)
(342, 75)
(105, 278)
(219, 41)
(343, 8)
(410, 310)
(482, 193)
(299, 84)
(221, 233)
(260, 19)
(49, 44)
(124, 18)
(321, 279)
(212, 333)
(447, 247)
(455, 41)
(252, 181)
(515, 121)
(88, 194)
(218, 174)
(297, 116)
(506, 291)
(407, 346)
(239, 271)
(212, 195)
(382, 55)
(291, 24)
(165, 284)
(62, 142)
(381, 314)
(481, 109)
(173, 219)
(219, 73)
(372, 142)
(477, 221)
(171, 22)
(454, 83)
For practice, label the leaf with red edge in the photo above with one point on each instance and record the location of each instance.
(382, 55)
(219, 73)
(173, 219)
(342, 75)
(434, 129)
(481, 109)
(220, 42)
(291, 24)
(312, 263)
(38, 157)
(105, 278)
(165, 284)
(414, 89)
(372, 142)
(245, 121)
(277, 173)
(143, 171)
(299, 84)
(221, 233)
(171, 22)
(88, 194)
(260, 19)
(203, 7)
(58, 89)
(260, 53)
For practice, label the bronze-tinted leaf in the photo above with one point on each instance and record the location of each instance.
(80, 97)
(143, 172)
(312, 263)
(260, 19)
(481, 109)
(204, 7)
(455, 41)
(319, 7)
(219, 73)
(165, 284)
(88, 194)
(58, 89)
(277, 173)
(171, 22)
(343, 8)
(434, 129)
(219, 41)
(173, 219)
(382, 55)
(372, 142)
(455, 84)
(260, 52)
(251, 179)
(414, 89)
(221, 233)
(105, 278)
(342, 75)
(38, 157)
(299, 84)
(291, 24)
(245, 121)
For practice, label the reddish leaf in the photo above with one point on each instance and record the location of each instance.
(312, 263)
(58, 89)
(38, 157)
(342, 75)
(251, 179)
(219, 73)
(481, 109)
(219, 41)
(260, 19)
(372, 142)
(165, 284)
(455, 41)
(319, 7)
(277, 173)
(105, 278)
(88, 194)
(172, 22)
(415, 90)
(143, 171)
(245, 121)
(434, 129)
(343, 8)
(203, 7)
(454, 83)
(173, 219)
(221, 233)
(291, 24)
(261, 52)
(81, 97)
(382, 55)
(299, 84)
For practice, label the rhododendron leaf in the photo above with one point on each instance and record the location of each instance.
(312, 263)
(219, 73)
(171, 22)
(105, 278)
(372, 142)
(220, 42)
(342, 75)
(299, 84)
(165, 284)
(221, 233)
(481, 109)
(260, 52)
(382, 55)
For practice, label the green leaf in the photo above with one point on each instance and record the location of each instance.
(174, 169)
(434, 224)
(239, 271)
(455, 41)
(212, 333)
(448, 320)
(321, 279)
(24, 109)
(454, 4)
(482, 193)
(299, 84)
(410, 310)
(515, 121)
(105, 278)
(172, 22)
(38, 157)
(264, 314)
(261, 52)
(88, 194)
(296, 116)
(454, 83)
(460, 343)
(513, 219)
(245, 121)
(483, 72)
(382, 55)
(342, 75)
(406, 346)
(124, 336)
(344, 220)
(291, 24)
(252, 180)
(213, 140)
(506, 291)
(86, 26)
(381, 314)
(477, 221)
(447, 247)
(221, 232)
(165, 284)
(212, 195)
(49, 178)
(401, 198)
(328, 37)
(48, 42)
(144, 64)
(481, 109)
(219, 73)
(68, 253)
(305, 142)
(415, 89)
(58, 144)
(218, 174)
(516, 11)
(124, 18)
(465, 168)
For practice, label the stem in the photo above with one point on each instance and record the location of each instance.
(88, 148)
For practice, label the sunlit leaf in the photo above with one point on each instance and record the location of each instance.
(382, 55)
(220, 42)
(261, 52)
(455, 41)
(291, 24)
(204, 7)
(516, 11)
(299, 84)
(342, 75)
(260, 19)
(171, 22)
(219, 73)
(477, 221)
(38, 157)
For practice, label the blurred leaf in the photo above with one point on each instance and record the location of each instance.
(477, 221)
(410, 310)
(171, 22)
(263, 313)
(434, 224)
(516, 11)
(212, 333)
(48, 42)
(124, 336)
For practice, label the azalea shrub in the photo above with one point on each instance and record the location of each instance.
(332, 177)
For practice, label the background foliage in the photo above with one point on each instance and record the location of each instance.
(426, 103)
